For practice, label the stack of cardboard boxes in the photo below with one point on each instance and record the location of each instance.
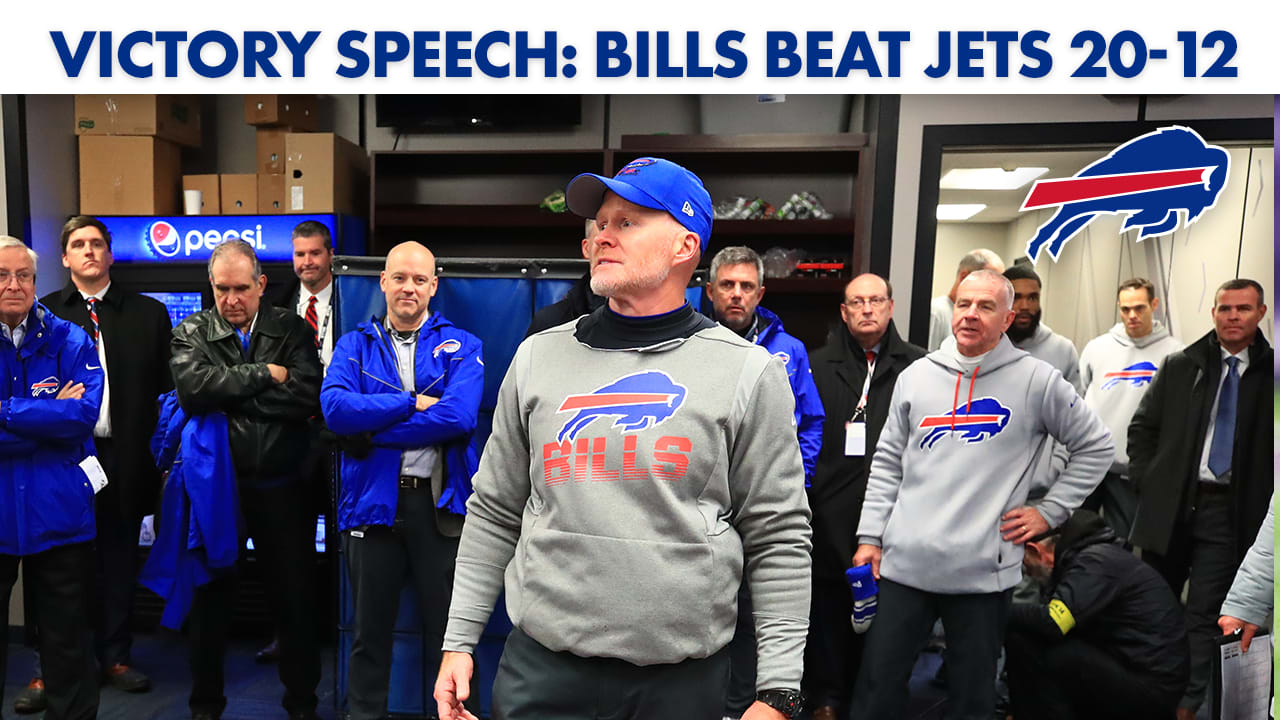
(130, 162)
(129, 158)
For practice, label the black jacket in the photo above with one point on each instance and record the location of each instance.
(1167, 436)
(135, 330)
(578, 302)
(839, 483)
(267, 422)
(1113, 601)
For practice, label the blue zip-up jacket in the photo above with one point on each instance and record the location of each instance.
(199, 537)
(46, 500)
(361, 394)
(809, 413)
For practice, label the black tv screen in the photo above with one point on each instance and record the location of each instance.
(454, 113)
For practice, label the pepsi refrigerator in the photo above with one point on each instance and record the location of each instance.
(493, 299)
(167, 258)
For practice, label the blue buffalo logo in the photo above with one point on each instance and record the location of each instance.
(1137, 375)
(635, 402)
(1153, 179)
(636, 166)
(449, 346)
(47, 386)
(973, 422)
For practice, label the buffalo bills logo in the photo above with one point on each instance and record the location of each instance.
(449, 346)
(635, 402)
(48, 386)
(1136, 375)
(162, 238)
(636, 166)
(1153, 179)
(973, 422)
(785, 358)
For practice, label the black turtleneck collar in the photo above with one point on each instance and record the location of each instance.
(607, 330)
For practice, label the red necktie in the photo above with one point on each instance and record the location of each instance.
(93, 315)
(312, 320)
(871, 358)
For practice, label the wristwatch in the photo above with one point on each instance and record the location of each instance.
(787, 702)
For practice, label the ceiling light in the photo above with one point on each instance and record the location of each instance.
(959, 212)
(990, 178)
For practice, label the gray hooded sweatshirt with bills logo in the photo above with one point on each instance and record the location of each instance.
(622, 494)
(959, 449)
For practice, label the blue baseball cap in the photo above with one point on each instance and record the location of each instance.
(648, 182)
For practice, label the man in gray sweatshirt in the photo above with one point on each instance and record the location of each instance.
(945, 514)
(1028, 333)
(1116, 369)
(643, 460)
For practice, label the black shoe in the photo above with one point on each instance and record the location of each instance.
(127, 678)
(269, 654)
(31, 699)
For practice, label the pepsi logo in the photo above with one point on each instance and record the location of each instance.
(163, 239)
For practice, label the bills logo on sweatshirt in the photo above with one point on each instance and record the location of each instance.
(974, 422)
(1137, 375)
(48, 385)
(449, 346)
(634, 402)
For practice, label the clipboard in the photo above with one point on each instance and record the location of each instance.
(1243, 682)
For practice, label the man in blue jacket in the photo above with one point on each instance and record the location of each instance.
(50, 391)
(735, 288)
(404, 392)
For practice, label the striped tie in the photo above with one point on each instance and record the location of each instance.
(312, 320)
(93, 315)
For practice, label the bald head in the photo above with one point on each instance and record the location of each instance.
(409, 282)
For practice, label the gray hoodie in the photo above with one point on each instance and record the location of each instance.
(1253, 591)
(1049, 346)
(624, 494)
(958, 451)
(1116, 371)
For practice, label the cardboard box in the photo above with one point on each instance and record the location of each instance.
(271, 150)
(294, 111)
(239, 194)
(272, 194)
(169, 117)
(326, 174)
(129, 175)
(210, 192)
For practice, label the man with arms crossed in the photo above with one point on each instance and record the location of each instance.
(641, 459)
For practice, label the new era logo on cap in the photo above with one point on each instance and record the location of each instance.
(648, 182)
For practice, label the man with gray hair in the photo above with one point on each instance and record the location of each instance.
(50, 392)
(258, 365)
(735, 288)
(941, 307)
(946, 503)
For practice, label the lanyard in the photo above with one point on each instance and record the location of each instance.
(866, 388)
(323, 324)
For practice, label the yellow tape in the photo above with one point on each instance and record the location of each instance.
(1060, 615)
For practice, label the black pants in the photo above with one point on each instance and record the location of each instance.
(117, 564)
(1202, 554)
(1116, 500)
(742, 658)
(379, 561)
(1070, 679)
(904, 617)
(282, 526)
(60, 579)
(535, 683)
(833, 651)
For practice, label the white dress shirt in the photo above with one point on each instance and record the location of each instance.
(324, 317)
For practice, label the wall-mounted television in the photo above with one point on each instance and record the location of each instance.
(179, 304)
(459, 113)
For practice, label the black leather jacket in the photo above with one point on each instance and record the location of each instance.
(268, 422)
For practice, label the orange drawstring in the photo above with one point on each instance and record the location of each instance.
(955, 399)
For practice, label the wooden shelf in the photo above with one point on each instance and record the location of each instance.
(803, 286)
(473, 216)
(835, 226)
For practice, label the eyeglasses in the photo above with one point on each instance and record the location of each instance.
(24, 278)
(874, 302)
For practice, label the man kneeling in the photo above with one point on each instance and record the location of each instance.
(1106, 640)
